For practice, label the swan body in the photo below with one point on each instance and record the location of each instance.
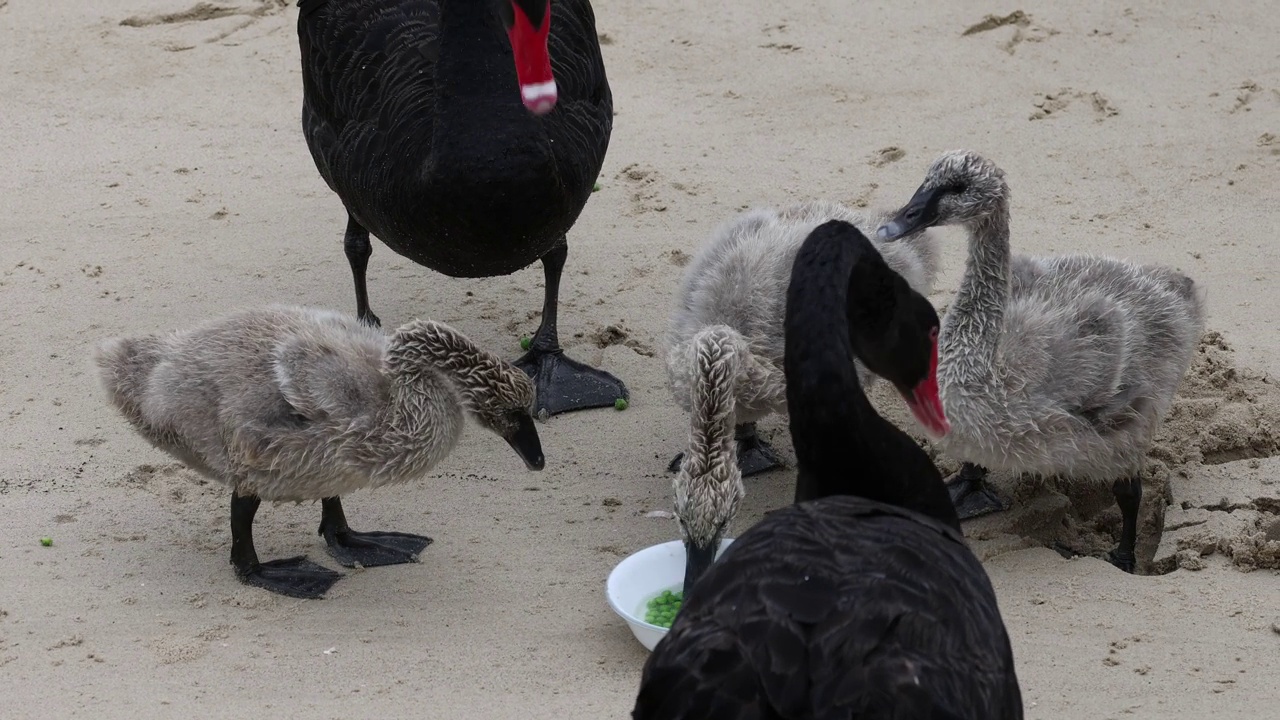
(467, 135)
(293, 404)
(1053, 365)
(862, 600)
(739, 279)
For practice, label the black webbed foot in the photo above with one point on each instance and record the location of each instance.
(1123, 560)
(755, 456)
(563, 384)
(971, 495)
(295, 577)
(1117, 557)
(366, 549)
(374, 549)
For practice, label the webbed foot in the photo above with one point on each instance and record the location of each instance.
(374, 549)
(366, 549)
(971, 495)
(1123, 560)
(295, 577)
(564, 384)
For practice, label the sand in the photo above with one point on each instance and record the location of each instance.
(155, 175)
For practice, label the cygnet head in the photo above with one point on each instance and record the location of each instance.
(708, 487)
(961, 188)
(894, 332)
(499, 395)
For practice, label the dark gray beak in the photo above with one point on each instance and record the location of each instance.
(524, 440)
(697, 559)
(917, 215)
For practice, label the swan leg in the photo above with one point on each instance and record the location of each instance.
(358, 249)
(971, 494)
(563, 384)
(1128, 493)
(365, 549)
(295, 577)
(754, 455)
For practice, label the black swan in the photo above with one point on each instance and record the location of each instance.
(842, 606)
(466, 135)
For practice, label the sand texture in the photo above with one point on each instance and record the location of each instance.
(155, 175)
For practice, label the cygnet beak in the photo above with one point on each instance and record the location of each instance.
(919, 213)
(524, 440)
(890, 231)
(697, 559)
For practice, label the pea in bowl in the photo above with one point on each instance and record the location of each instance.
(643, 576)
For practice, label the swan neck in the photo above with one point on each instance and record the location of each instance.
(474, 62)
(827, 406)
(424, 412)
(842, 444)
(975, 321)
(711, 429)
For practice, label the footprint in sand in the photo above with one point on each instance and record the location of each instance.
(1053, 104)
(887, 155)
(204, 12)
(644, 192)
(1248, 92)
(1024, 29)
(1269, 142)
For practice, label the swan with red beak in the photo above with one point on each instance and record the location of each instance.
(447, 134)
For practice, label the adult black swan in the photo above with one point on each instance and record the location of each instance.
(863, 601)
(466, 135)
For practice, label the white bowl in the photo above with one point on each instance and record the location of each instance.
(643, 575)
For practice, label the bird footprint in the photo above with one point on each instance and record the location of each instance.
(1052, 104)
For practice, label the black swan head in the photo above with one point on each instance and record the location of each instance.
(894, 332)
(528, 24)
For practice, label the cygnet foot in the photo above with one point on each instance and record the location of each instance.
(295, 577)
(754, 455)
(1123, 560)
(366, 549)
(971, 495)
(373, 549)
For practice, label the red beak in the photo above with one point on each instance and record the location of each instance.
(533, 63)
(925, 402)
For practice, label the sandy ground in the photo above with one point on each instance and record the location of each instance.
(155, 175)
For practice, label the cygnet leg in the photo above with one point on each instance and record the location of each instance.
(563, 384)
(754, 455)
(971, 495)
(365, 549)
(358, 249)
(296, 576)
(1128, 492)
